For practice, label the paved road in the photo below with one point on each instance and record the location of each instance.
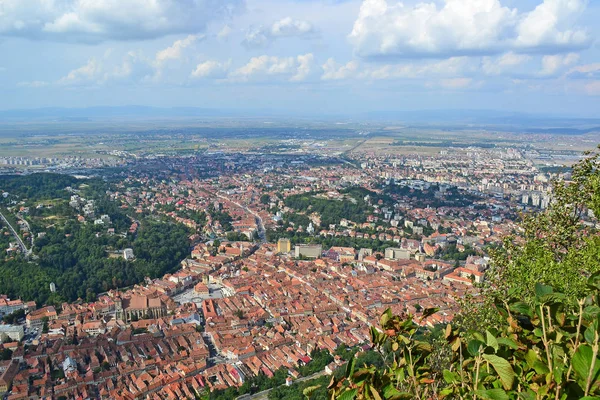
(264, 395)
(17, 237)
(259, 222)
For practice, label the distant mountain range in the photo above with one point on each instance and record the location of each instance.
(452, 119)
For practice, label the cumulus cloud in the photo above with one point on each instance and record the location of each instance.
(90, 72)
(451, 67)
(305, 64)
(175, 51)
(293, 69)
(99, 71)
(211, 69)
(287, 27)
(587, 71)
(335, 71)
(224, 33)
(92, 21)
(554, 63)
(551, 27)
(465, 27)
(499, 65)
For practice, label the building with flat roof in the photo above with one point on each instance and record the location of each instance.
(393, 253)
(308, 250)
(14, 332)
(284, 245)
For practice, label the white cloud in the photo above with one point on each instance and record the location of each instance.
(554, 63)
(587, 71)
(465, 27)
(94, 21)
(498, 65)
(551, 26)
(417, 70)
(287, 27)
(305, 64)
(290, 27)
(211, 69)
(99, 71)
(450, 67)
(175, 51)
(93, 71)
(294, 69)
(334, 71)
(224, 32)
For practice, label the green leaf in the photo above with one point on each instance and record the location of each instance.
(360, 376)
(492, 394)
(552, 298)
(350, 367)
(310, 390)
(503, 369)
(375, 393)
(528, 395)
(589, 334)
(531, 357)
(348, 395)
(390, 392)
(450, 377)
(385, 317)
(429, 311)
(540, 367)
(594, 281)
(582, 362)
(400, 396)
(474, 346)
(521, 308)
(591, 312)
(508, 343)
(478, 336)
(491, 340)
(541, 290)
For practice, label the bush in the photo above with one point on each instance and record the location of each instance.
(541, 351)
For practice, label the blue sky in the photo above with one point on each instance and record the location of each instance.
(537, 56)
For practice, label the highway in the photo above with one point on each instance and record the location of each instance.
(16, 236)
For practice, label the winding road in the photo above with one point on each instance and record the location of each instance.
(24, 249)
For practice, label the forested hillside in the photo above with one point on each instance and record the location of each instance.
(83, 258)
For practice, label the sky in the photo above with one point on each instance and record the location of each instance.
(303, 56)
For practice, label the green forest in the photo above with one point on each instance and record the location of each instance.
(453, 196)
(332, 211)
(40, 186)
(83, 259)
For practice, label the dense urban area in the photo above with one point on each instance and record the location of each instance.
(250, 267)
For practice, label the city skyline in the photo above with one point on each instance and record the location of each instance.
(536, 57)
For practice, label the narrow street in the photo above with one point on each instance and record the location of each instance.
(262, 234)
